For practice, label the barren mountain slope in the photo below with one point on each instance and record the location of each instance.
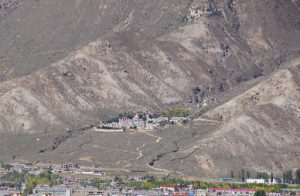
(34, 34)
(267, 31)
(127, 71)
(259, 131)
(67, 64)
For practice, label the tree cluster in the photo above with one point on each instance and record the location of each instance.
(287, 176)
(265, 175)
(177, 112)
(47, 178)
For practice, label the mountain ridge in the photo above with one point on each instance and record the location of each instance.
(232, 63)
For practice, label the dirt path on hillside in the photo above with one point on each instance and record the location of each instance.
(140, 152)
(159, 169)
(138, 149)
(206, 120)
(158, 139)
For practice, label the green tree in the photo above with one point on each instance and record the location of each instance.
(248, 174)
(14, 177)
(298, 176)
(144, 118)
(232, 174)
(117, 179)
(278, 180)
(44, 178)
(243, 175)
(272, 177)
(265, 175)
(96, 183)
(5, 166)
(196, 184)
(258, 175)
(260, 193)
(204, 185)
(177, 112)
(284, 177)
(149, 178)
(289, 176)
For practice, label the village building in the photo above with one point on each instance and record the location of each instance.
(9, 191)
(255, 181)
(231, 191)
(3, 171)
(43, 190)
(68, 167)
(138, 121)
(87, 191)
(275, 194)
(173, 188)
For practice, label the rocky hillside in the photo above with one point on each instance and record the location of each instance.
(38, 33)
(158, 53)
(127, 71)
(7, 5)
(68, 64)
(264, 119)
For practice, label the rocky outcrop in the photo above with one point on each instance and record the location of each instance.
(6, 5)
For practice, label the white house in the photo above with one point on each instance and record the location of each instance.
(257, 181)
